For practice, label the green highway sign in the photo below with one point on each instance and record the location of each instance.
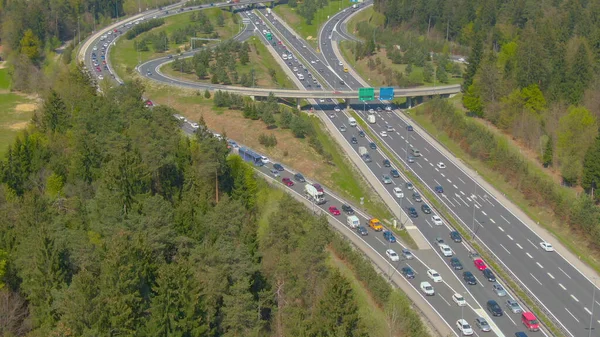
(366, 94)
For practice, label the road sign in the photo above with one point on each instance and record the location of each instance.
(366, 94)
(386, 93)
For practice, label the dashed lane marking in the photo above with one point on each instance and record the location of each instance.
(501, 245)
(456, 200)
(431, 164)
(564, 272)
(420, 165)
(443, 175)
(462, 180)
(587, 310)
(463, 193)
(575, 318)
(425, 159)
(501, 229)
(551, 276)
(538, 281)
(533, 244)
(504, 218)
(563, 287)
(531, 257)
(484, 213)
(510, 237)
(492, 220)
(574, 298)
(518, 245)
(539, 265)
(456, 187)
(450, 181)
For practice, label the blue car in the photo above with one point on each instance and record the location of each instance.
(409, 128)
(439, 189)
(389, 236)
(362, 230)
(278, 167)
(395, 173)
(412, 212)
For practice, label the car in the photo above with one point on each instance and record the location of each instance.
(469, 278)
(547, 246)
(464, 327)
(318, 187)
(439, 241)
(459, 300)
(391, 254)
(299, 177)
(373, 146)
(499, 289)
(337, 109)
(371, 111)
(367, 158)
(441, 165)
(361, 133)
(456, 264)
(379, 109)
(347, 209)
(342, 83)
(479, 264)
(390, 128)
(321, 100)
(513, 306)
(439, 189)
(275, 172)
(408, 272)
(362, 230)
(489, 275)
(395, 173)
(446, 250)
(287, 181)
(437, 220)
(386, 163)
(343, 128)
(520, 334)
(398, 192)
(434, 275)
(455, 236)
(417, 197)
(295, 68)
(407, 254)
(412, 212)
(278, 167)
(426, 209)
(482, 324)
(409, 186)
(389, 236)
(388, 108)
(410, 159)
(427, 288)
(494, 308)
(264, 160)
(353, 140)
(386, 179)
(409, 127)
(383, 133)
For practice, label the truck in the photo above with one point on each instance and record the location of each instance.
(352, 221)
(371, 119)
(362, 151)
(376, 225)
(313, 195)
(352, 121)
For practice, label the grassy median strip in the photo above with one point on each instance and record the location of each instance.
(443, 211)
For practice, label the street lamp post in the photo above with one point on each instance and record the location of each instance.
(473, 221)
(592, 314)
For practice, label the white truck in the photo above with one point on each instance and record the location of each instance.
(351, 121)
(352, 221)
(362, 151)
(313, 195)
(371, 119)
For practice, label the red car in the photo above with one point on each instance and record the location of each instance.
(333, 210)
(287, 182)
(318, 187)
(479, 264)
(148, 103)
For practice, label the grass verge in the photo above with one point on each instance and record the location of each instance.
(4, 79)
(16, 114)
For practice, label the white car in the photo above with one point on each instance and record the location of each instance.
(337, 109)
(371, 111)
(391, 254)
(341, 64)
(100, 77)
(321, 100)
(459, 300)
(398, 192)
(383, 133)
(441, 165)
(464, 327)
(437, 220)
(195, 125)
(547, 246)
(295, 68)
(95, 48)
(434, 276)
(264, 159)
(427, 288)
(388, 108)
(446, 250)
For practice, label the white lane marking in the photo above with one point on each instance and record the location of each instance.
(551, 276)
(564, 272)
(518, 245)
(538, 281)
(575, 318)
(426, 149)
(456, 201)
(420, 165)
(414, 270)
(378, 165)
(403, 150)
(501, 229)
(443, 175)
(510, 237)
(533, 244)
(450, 181)
(476, 206)
(587, 310)
(425, 159)
(451, 203)
(461, 180)
(455, 186)
(574, 298)
(435, 168)
(463, 193)
(598, 321)
(428, 223)
(531, 257)
(539, 265)
(511, 319)
(445, 300)
(400, 136)
(501, 245)
(437, 182)
(504, 218)
(563, 287)
(431, 164)
(492, 220)
(469, 198)
(380, 241)
(484, 213)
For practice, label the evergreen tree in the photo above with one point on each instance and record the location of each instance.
(268, 118)
(591, 168)
(579, 75)
(474, 60)
(286, 119)
(441, 74)
(55, 118)
(548, 155)
(428, 72)
(206, 94)
(408, 70)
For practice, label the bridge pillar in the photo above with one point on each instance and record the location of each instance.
(408, 102)
(272, 4)
(346, 103)
(231, 9)
(298, 100)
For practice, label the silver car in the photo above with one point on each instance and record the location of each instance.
(407, 254)
(482, 324)
(499, 290)
(513, 306)
(386, 179)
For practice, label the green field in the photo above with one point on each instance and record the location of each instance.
(298, 23)
(4, 79)
(125, 58)
(15, 113)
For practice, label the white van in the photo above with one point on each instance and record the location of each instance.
(352, 221)
(352, 121)
(284, 56)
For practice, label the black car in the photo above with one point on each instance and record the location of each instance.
(278, 167)
(456, 264)
(353, 140)
(386, 163)
(489, 275)
(494, 308)
(469, 278)
(455, 236)
(347, 209)
(426, 209)
(342, 83)
(395, 173)
(361, 133)
(417, 197)
(373, 146)
(367, 158)
(408, 272)
(412, 212)
(299, 177)
(362, 230)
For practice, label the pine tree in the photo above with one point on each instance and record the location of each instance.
(474, 60)
(591, 168)
(428, 72)
(548, 155)
(268, 118)
(441, 74)
(206, 94)
(55, 117)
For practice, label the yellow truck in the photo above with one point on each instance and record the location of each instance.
(376, 225)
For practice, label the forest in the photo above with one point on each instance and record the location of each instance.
(113, 222)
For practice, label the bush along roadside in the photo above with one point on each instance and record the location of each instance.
(444, 213)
